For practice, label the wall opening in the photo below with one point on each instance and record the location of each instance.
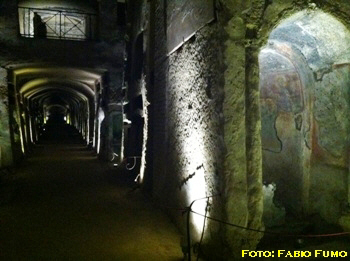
(56, 23)
(136, 136)
(117, 130)
(66, 20)
(304, 98)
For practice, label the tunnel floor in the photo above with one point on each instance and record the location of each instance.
(64, 204)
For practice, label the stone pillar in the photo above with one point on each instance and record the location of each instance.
(235, 168)
(149, 71)
(159, 99)
(253, 143)
(243, 161)
(114, 98)
(102, 133)
(6, 158)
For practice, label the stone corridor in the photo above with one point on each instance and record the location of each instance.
(64, 204)
(237, 110)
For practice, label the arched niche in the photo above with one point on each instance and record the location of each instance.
(304, 99)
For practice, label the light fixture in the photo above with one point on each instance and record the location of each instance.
(127, 122)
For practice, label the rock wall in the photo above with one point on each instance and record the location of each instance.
(195, 125)
(243, 181)
(330, 168)
(6, 157)
(158, 105)
(205, 102)
(331, 112)
(185, 97)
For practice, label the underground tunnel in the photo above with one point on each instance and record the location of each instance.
(173, 130)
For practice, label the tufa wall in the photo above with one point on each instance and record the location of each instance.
(207, 104)
(195, 126)
(6, 158)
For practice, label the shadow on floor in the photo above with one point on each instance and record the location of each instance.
(64, 204)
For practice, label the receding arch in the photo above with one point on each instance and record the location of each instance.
(42, 87)
(59, 83)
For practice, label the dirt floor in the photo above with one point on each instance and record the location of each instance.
(64, 204)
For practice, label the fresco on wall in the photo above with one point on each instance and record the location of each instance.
(279, 92)
(332, 111)
(282, 108)
(5, 140)
(306, 146)
(284, 88)
(5, 137)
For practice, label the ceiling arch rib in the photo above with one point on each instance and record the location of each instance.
(57, 83)
(52, 95)
(50, 99)
(90, 77)
(321, 48)
(58, 108)
(55, 90)
(40, 98)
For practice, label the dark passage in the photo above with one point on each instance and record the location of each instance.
(63, 204)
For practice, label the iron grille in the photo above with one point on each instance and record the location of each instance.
(57, 24)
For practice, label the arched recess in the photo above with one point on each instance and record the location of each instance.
(75, 104)
(67, 96)
(73, 87)
(27, 72)
(136, 134)
(304, 94)
(77, 96)
(115, 116)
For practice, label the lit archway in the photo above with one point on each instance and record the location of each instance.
(42, 89)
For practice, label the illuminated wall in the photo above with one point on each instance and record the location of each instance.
(195, 121)
(186, 133)
(194, 128)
